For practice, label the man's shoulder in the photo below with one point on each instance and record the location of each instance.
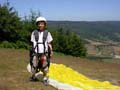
(46, 31)
(35, 30)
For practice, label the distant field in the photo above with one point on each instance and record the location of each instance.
(103, 51)
(13, 73)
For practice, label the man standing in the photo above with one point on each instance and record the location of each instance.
(41, 46)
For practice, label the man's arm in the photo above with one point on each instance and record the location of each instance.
(49, 40)
(51, 49)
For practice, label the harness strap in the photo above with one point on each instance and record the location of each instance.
(36, 34)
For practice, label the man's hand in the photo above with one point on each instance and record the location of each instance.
(51, 54)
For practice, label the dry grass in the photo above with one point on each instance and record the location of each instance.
(13, 73)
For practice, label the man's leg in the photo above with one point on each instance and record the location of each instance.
(45, 78)
(45, 70)
(34, 68)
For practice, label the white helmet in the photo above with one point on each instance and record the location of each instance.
(41, 19)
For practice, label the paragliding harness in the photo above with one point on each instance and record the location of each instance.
(33, 53)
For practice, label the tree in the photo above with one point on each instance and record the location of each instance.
(10, 24)
(16, 33)
(28, 25)
(68, 43)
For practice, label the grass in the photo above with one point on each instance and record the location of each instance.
(13, 73)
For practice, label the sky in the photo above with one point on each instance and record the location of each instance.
(70, 10)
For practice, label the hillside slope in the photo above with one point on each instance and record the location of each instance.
(14, 74)
(97, 30)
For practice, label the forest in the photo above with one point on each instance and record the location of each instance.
(15, 32)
